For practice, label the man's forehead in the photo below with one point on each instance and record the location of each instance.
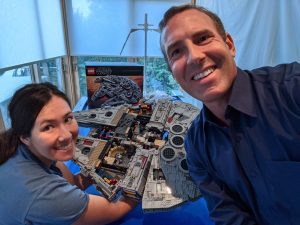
(184, 22)
(190, 16)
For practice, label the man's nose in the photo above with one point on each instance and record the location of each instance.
(195, 54)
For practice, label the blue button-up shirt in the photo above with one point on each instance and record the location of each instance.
(249, 172)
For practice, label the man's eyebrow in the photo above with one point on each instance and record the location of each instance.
(195, 35)
(202, 32)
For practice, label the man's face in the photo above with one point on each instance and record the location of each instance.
(201, 61)
(54, 134)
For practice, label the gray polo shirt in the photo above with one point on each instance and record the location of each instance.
(31, 193)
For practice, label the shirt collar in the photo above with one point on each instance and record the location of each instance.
(242, 97)
(27, 154)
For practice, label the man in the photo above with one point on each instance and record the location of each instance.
(244, 147)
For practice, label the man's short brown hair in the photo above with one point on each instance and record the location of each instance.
(174, 10)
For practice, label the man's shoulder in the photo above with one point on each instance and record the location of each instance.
(278, 73)
(197, 121)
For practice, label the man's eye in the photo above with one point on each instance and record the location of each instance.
(174, 53)
(203, 39)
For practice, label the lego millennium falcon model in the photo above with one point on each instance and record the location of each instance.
(117, 90)
(138, 151)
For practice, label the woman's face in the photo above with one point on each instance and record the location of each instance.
(54, 134)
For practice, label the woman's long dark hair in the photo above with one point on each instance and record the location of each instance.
(24, 108)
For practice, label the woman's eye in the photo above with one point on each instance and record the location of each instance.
(69, 119)
(47, 128)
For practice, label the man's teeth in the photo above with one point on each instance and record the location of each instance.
(203, 74)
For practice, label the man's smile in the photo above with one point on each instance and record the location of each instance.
(204, 73)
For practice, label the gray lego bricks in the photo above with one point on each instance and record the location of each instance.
(118, 89)
(138, 151)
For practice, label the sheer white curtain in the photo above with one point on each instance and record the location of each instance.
(100, 27)
(30, 30)
(265, 32)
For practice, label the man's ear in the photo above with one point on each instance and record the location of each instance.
(230, 44)
(25, 140)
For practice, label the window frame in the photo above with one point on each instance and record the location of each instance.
(2, 126)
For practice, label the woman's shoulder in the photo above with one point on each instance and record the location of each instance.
(38, 192)
(23, 172)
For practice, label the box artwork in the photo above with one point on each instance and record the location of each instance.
(112, 84)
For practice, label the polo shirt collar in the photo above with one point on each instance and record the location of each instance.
(27, 154)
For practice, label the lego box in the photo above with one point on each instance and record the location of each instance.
(112, 84)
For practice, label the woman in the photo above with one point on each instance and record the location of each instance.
(36, 187)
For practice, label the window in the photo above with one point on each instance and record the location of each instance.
(95, 27)
(13, 79)
(100, 27)
(99, 31)
(30, 31)
(51, 71)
